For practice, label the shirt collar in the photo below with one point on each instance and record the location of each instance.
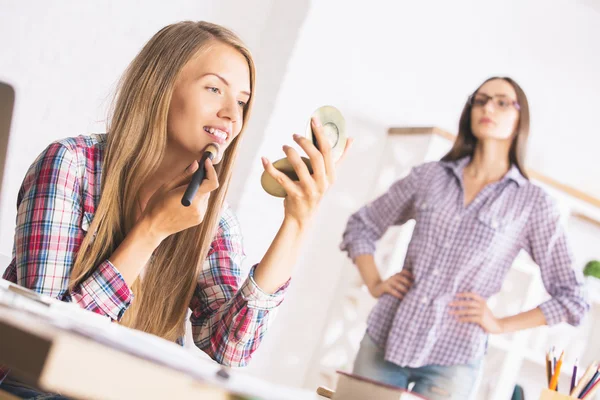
(459, 165)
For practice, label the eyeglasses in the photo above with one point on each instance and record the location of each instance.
(500, 102)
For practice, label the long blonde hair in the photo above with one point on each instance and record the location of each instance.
(136, 142)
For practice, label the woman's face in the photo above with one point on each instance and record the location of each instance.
(494, 111)
(208, 101)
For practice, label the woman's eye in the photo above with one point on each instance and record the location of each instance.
(213, 89)
(242, 104)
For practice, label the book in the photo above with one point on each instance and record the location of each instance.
(355, 387)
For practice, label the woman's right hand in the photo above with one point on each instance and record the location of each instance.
(165, 215)
(396, 285)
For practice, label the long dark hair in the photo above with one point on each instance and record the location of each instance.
(465, 142)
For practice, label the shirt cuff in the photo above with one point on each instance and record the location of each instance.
(356, 249)
(257, 298)
(109, 290)
(553, 311)
(3, 373)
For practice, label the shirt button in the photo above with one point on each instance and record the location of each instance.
(424, 300)
(446, 245)
(456, 218)
(436, 272)
(494, 224)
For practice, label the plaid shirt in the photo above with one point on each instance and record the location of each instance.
(56, 204)
(457, 249)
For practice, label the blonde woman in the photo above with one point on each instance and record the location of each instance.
(100, 221)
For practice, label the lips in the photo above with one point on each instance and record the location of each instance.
(486, 120)
(218, 133)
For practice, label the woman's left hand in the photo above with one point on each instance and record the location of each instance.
(304, 196)
(470, 307)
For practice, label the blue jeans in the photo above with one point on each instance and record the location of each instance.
(434, 382)
(24, 391)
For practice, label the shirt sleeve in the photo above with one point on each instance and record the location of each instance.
(230, 313)
(394, 207)
(48, 235)
(547, 244)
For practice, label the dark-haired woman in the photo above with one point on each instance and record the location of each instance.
(475, 210)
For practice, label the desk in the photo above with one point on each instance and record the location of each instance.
(80, 354)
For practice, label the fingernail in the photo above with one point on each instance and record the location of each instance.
(285, 147)
(189, 168)
(296, 136)
(316, 121)
(264, 160)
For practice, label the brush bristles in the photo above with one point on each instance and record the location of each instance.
(213, 149)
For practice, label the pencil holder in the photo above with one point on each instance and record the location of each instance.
(548, 394)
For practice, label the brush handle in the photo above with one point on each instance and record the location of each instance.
(196, 181)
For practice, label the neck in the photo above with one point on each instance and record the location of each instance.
(490, 160)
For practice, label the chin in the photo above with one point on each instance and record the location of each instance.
(193, 153)
(487, 134)
(198, 148)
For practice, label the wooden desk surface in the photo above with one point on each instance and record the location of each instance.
(101, 360)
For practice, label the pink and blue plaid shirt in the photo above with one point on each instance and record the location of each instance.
(456, 249)
(56, 204)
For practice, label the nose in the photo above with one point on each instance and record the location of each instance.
(230, 110)
(489, 106)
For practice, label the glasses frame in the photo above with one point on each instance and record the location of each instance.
(471, 100)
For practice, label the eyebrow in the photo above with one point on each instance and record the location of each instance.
(224, 81)
(496, 95)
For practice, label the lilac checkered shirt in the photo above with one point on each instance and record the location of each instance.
(458, 249)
